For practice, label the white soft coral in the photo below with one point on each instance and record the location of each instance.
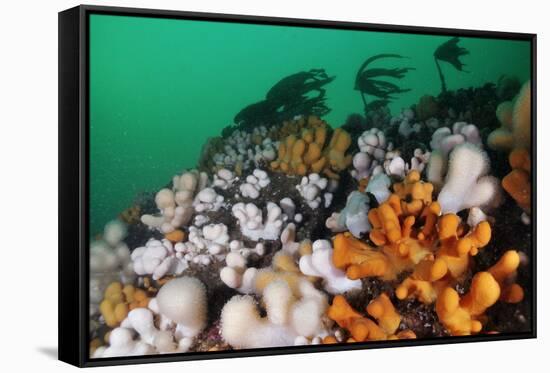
(176, 205)
(158, 258)
(290, 317)
(467, 184)
(319, 264)
(252, 223)
(311, 187)
(254, 184)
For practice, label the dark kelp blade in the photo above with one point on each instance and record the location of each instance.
(298, 84)
(374, 58)
(451, 52)
(301, 93)
(397, 73)
(257, 111)
(379, 88)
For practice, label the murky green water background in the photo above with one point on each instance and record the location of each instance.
(160, 87)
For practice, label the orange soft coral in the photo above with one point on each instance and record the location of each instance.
(403, 239)
(410, 235)
(176, 236)
(295, 126)
(461, 316)
(384, 312)
(305, 152)
(359, 259)
(455, 248)
(450, 261)
(515, 119)
(335, 153)
(504, 272)
(299, 155)
(118, 301)
(414, 193)
(362, 328)
(518, 182)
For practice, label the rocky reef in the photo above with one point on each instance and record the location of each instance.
(298, 233)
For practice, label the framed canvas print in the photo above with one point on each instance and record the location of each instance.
(235, 185)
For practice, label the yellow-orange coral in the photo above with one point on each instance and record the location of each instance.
(518, 182)
(425, 283)
(401, 244)
(363, 328)
(462, 316)
(504, 272)
(336, 153)
(118, 301)
(176, 236)
(393, 221)
(357, 258)
(515, 119)
(450, 262)
(283, 267)
(300, 155)
(384, 312)
(409, 234)
(414, 193)
(296, 126)
(306, 152)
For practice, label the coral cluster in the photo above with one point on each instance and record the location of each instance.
(240, 151)
(176, 204)
(373, 146)
(361, 328)
(109, 262)
(118, 301)
(181, 307)
(514, 136)
(410, 233)
(467, 183)
(290, 232)
(515, 119)
(252, 223)
(307, 152)
(294, 316)
(518, 182)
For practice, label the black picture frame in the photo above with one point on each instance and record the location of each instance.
(74, 188)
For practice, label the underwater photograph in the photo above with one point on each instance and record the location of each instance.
(259, 186)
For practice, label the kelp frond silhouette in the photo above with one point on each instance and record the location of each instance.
(371, 81)
(301, 93)
(449, 52)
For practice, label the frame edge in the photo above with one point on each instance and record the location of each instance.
(69, 152)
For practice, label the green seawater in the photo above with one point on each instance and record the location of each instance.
(160, 87)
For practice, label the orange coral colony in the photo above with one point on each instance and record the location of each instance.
(176, 236)
(409, 234)
(118, 301)
(362, 328)
(462, 316)
(504, 272)
(414, 193)
(401, 244)
(450, 262)
(518, 182)
(305, 152)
